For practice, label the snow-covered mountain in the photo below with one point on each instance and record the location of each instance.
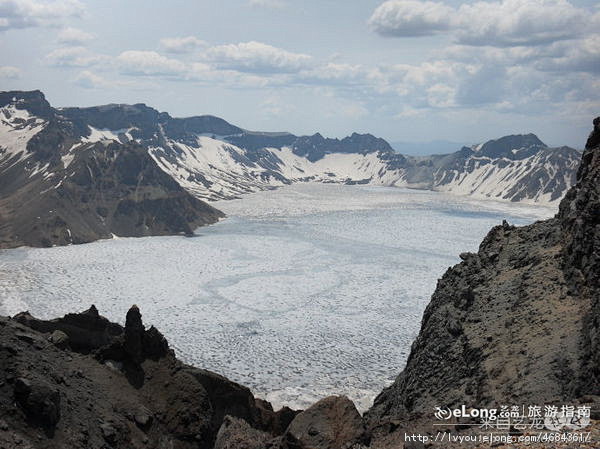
(84, 161)
(515, 168)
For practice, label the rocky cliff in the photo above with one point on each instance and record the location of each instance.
(518, 322)
(83, 382)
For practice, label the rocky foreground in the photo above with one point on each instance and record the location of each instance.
(516, 323)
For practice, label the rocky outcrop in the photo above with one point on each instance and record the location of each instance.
(515, 323)
(331, 423)
(86, 331)
(120, 389)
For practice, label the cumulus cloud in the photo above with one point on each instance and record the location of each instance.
(9, 72)
(504, 23)
(182, 44)
(405, 18)
(73, 36)
(76, 56)
(135, 62)
(584, 57)
(519, 22)
(32, 13)
(256, 57)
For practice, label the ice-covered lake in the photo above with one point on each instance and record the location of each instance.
(300, 293)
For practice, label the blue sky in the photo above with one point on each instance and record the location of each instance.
(405, 70)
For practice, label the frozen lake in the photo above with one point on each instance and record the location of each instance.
(300, 293)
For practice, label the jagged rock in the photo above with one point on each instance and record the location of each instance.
(38, 400)
(87, 330)
(276, 422)
(155, 345)
(331, 423)
(236, 433)
(134, 335)
(527, 332)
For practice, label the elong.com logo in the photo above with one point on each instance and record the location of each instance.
(445, 413)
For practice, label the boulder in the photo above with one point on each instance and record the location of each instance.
(38, 400)
(236, 433)
(59, 339)
(331, 423)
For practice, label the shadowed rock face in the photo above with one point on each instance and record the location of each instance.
(517, 322)
(122, 388)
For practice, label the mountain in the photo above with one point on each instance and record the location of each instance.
(518, 322)
(73, 175)
(62, 184)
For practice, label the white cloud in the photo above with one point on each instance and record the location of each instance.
(74, 57)
(267, 3)
(406, 18)
(182, 44)
(519, 22)
(256, 57)
(9, 72)
(503, 23)
(73, 36)
(441, 96)
(33, 13)
(583, 57)
(135, 62)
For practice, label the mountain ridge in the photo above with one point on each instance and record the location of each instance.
(210, 159)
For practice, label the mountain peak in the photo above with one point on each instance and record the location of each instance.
(507, 145)
(34, 101)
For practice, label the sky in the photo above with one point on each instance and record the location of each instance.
(404, 70)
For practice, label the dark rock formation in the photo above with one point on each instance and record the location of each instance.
(86, 397)
(86, 331)
(515, 323)
(236, 433)
(38, 400)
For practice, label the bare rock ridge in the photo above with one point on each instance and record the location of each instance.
(517, 322)
(74, 175)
